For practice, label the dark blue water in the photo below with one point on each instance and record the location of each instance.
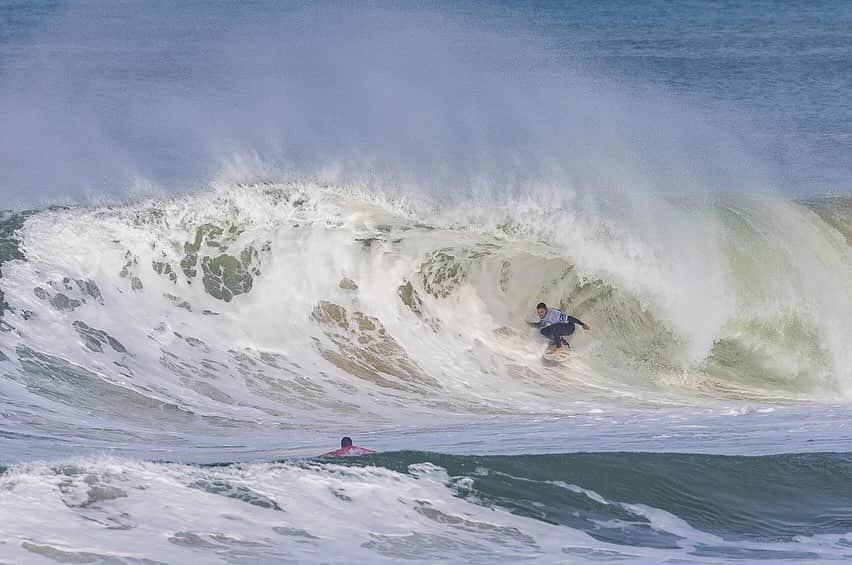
(784, 67)
(765, 499)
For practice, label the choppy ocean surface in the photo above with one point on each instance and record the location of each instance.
(238, 232)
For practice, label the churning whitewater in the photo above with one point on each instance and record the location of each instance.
(301, 303)
(242, 319)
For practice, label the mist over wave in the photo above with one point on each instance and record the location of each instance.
(410, 99)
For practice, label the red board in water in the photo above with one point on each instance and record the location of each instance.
(346, 451)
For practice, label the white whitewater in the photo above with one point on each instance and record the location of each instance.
(304, 303)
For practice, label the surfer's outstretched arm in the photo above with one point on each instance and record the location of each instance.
(579, 322)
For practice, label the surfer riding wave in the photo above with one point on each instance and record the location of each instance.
(556, 325)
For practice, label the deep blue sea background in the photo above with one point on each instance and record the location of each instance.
(162, 91)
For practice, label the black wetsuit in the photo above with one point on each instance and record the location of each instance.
(555, 332)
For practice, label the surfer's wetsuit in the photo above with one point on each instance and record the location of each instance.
(556, 324)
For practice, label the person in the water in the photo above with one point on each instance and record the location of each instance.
(346, 448)
(556, 325)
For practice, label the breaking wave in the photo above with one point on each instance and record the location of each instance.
(305, 302)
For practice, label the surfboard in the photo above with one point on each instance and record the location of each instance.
(553, 355)
(348, 451)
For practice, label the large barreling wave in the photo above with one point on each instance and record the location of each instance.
(239, 231)
(304, 304)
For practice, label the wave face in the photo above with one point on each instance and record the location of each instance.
(414, 506)
(306, 305)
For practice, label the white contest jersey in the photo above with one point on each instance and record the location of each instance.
(557, 316)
